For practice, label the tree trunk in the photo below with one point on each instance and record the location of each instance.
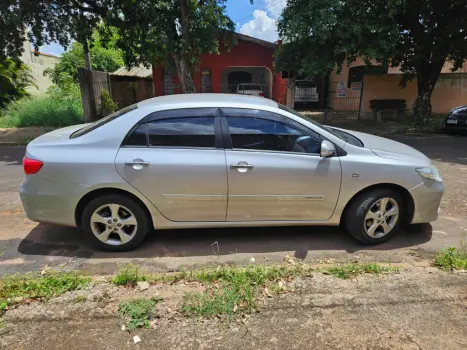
(422, 106)
(427, 76)
(183, 68)
(184, 75)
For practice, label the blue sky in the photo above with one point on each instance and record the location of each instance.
(256, 20)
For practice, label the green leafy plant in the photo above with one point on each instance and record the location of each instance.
(34, 286)
(128, 275)
(15, 78)
(451, 259)
(353, 270)
(138, 312)
(42, 111)
(108, 105)
(233, 290)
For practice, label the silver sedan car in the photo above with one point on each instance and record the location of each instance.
(214, 160)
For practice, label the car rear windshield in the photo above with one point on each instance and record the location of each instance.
(102, 121)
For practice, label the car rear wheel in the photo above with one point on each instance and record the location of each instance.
(375, 216)
(115, 222)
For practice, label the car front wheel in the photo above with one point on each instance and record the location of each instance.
(115, 222)
(375, 216)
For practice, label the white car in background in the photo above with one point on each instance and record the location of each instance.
(306, 92)
(250, 89)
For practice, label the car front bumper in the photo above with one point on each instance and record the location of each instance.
(50, 202)
(427, 199)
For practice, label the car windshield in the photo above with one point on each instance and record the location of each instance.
(338, 133)
(102, 121)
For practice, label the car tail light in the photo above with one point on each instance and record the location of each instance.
(31, 166)
(261, 94)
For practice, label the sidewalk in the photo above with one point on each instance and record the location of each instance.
(20, 136)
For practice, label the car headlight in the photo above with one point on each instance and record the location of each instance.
(430, 172)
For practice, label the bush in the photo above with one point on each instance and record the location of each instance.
(42, 111)
(452, 259)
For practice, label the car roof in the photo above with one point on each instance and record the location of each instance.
(208, 98)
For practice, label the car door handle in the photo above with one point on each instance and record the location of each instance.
(241, 166)
(137, 162)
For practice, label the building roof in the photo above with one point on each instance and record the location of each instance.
(214, 99)
(140, 71)
(257, 41)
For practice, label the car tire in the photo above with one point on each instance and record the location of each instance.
(359, 222)
(108, 215)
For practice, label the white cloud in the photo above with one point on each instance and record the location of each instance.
(275, 7)
(261, 26)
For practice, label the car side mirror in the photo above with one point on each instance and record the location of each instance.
(327, 149)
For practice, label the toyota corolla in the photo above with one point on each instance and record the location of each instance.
(214, 160)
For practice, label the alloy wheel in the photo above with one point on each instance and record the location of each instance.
(114, 224)
(381, 218)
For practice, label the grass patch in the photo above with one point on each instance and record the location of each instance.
(452, 259)
(42, 111)
(128, 275)
(353, 270)
(15, 288)
(233, 289)
(138, 312)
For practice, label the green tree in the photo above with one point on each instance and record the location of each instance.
(170, 32)
(102, 59)
(173, 33)
(15, 78)
(416, 35)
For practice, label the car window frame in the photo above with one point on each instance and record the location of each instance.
(176, 114)
(267, 115)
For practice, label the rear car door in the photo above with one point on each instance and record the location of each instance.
(176, 159)
(274, 168)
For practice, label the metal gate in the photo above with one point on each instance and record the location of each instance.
(344, 101)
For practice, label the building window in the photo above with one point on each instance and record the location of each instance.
(168, 85)
(206, 82)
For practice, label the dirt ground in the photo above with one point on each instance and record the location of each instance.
(419, 308)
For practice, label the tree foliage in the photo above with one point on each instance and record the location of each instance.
(169, 32)
(15, 78)
(106, 59)
(416, 35)
(173, 33)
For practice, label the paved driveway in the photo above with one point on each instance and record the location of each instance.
(26, 246)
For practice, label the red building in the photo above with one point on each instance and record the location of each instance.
(249, 61)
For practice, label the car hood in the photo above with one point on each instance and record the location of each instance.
(390, 149)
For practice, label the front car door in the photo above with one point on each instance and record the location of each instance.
(275, 171)
(176, 159)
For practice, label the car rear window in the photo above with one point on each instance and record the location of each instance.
(103, 121)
